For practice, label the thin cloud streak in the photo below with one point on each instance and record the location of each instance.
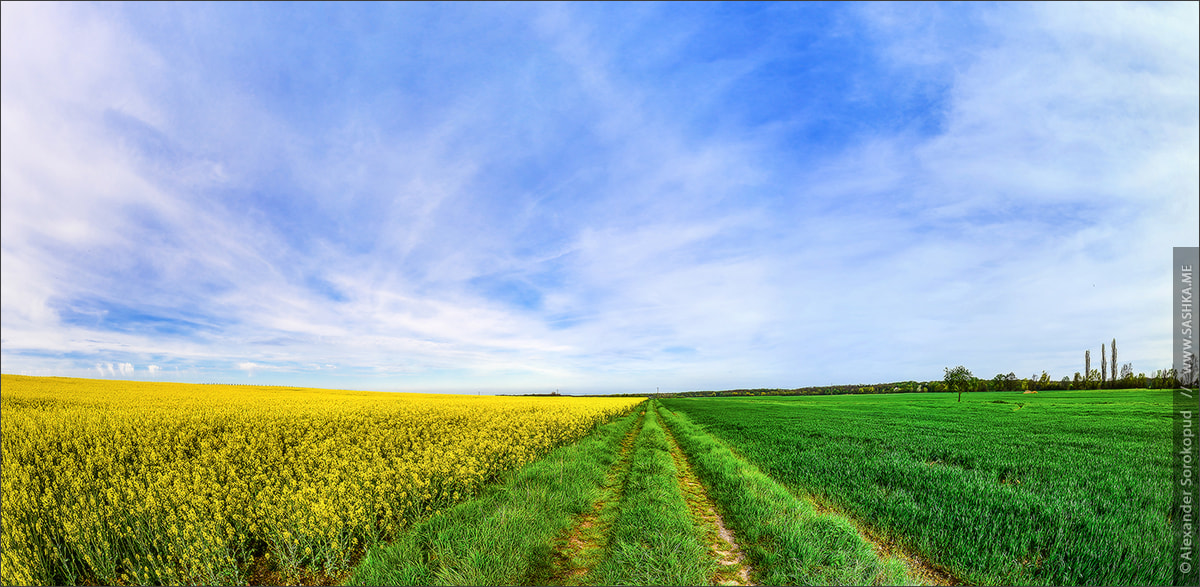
(528, 211)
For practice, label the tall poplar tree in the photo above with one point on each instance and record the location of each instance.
(1103, 364)
(1087, 365)
(1114, 359)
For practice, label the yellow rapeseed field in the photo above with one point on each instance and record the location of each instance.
(160, 483)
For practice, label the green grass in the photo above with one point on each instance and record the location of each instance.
(787, 540)
(653, 540)
(504, 536)
(1057, 488)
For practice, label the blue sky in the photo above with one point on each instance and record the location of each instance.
(592, 197)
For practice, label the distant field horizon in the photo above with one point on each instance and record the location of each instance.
(229, 484)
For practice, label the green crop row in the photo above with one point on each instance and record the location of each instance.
(789, 542)
(1059, 488)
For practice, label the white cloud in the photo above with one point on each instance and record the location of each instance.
(1040, 217)
(1066, 156)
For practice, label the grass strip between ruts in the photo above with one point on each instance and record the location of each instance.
(788, 541)
(654, 540)
(579, 550)
(505, 535)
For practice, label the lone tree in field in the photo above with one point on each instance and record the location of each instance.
(959, 379)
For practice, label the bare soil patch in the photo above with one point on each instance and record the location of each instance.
(264, 571)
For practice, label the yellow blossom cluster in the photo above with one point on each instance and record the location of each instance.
(118, 482)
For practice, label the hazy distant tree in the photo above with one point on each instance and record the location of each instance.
(1126, 371)
(1087, 364)
(1010, 382)
(1188, 377)
(959, 379)
(1114, 359)
(1164, 379)
(1103, 365)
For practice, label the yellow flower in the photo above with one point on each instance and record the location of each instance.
(214, 468)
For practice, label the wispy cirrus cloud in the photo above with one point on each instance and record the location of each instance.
(591, 198)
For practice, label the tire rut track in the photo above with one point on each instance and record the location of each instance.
(581, 547)
(918, 567)
(733, 567)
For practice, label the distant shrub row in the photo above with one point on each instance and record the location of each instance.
(1162, 379)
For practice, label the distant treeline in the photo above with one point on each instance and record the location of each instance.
(1163, 379)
